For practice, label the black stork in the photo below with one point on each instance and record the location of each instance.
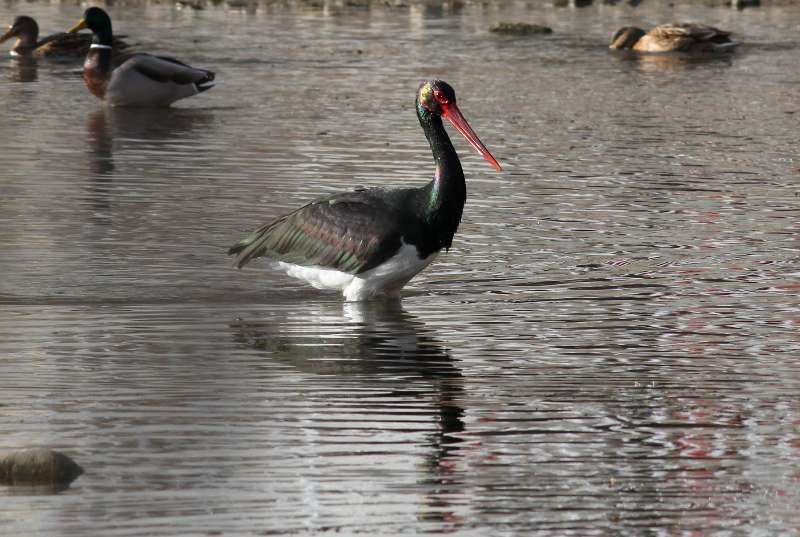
(371, 242)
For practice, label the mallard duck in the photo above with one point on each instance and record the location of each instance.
(685, 37)
(62, 44)
(140, 80)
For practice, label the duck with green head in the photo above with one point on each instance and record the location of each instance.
(60, 45)
(142, 80)
(683, 37)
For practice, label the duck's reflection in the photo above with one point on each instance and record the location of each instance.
(153, 125)
(133, 130)
(382, 345)
(130, 126)
(671, 62)
(36, 490)
(99, 143)
(23, 69)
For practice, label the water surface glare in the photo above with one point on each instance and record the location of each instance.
(610, 347)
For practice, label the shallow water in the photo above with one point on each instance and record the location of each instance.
(610, 347)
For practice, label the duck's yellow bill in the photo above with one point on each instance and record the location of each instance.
(78, 27)
(8, 35)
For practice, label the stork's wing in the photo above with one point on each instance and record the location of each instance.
(351, 232)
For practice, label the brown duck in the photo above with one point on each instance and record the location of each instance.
(684, 37)
(60, 45)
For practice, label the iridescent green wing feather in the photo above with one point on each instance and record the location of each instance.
(351, 232)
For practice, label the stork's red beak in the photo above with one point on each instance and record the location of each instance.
(452, 114)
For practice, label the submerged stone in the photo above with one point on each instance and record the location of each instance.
(37, 466)
(520, 28)
(741, 4)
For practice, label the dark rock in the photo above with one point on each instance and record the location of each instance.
(741, 4)
(520, 28)
(37, 466)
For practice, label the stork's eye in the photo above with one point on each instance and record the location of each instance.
(440, 97)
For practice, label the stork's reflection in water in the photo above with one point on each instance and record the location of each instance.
(396, 374)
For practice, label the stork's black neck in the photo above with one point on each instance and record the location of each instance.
(443, 198)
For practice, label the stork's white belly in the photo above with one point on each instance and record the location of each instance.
(385, 279)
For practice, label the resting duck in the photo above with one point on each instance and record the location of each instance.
(685, 37)
(64, 45)
(141, 80)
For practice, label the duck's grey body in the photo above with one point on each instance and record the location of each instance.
(145, 80)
